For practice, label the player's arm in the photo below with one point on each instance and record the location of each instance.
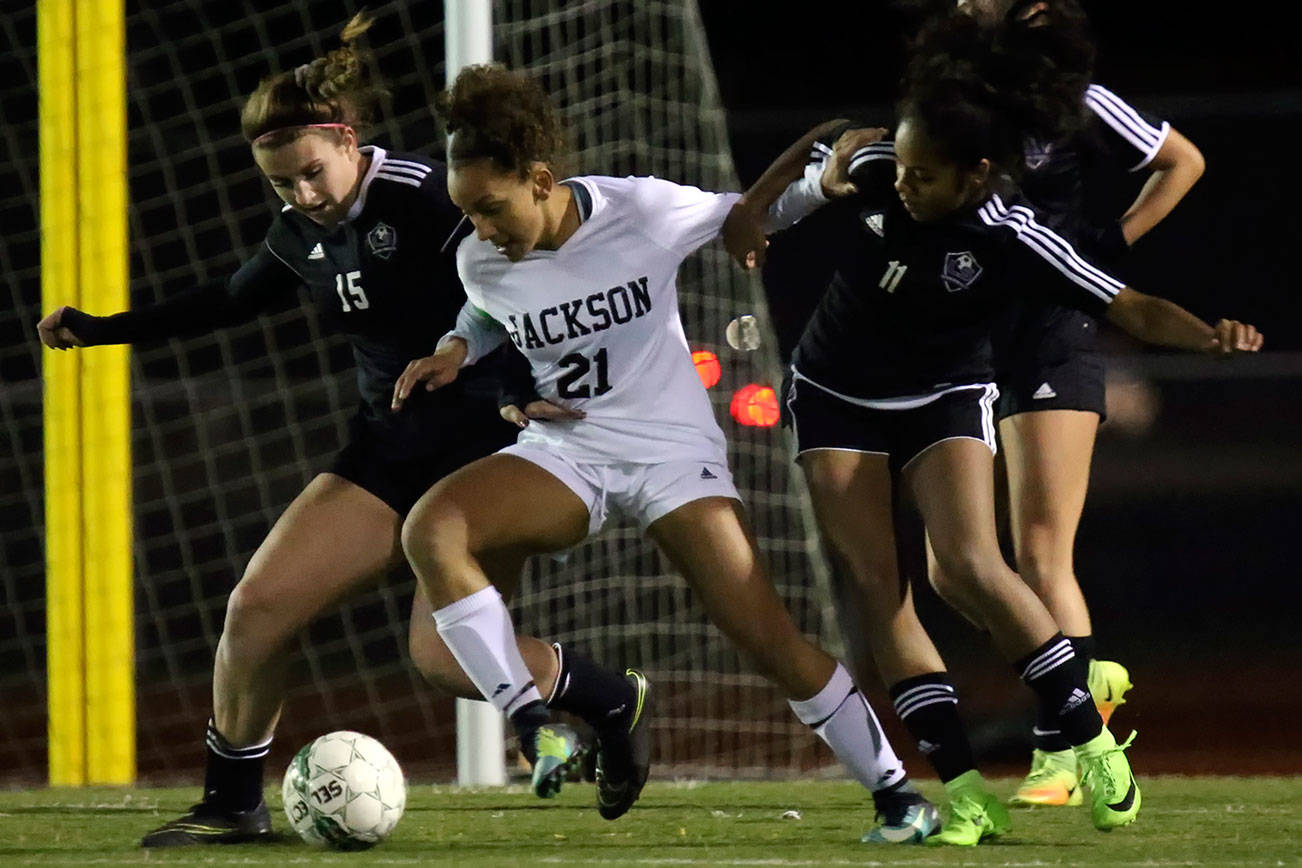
(787, 193)
(1164, 323)
(1176, 166)
(1046, 262)
(744, 230)
(194, 311)
(474, 336)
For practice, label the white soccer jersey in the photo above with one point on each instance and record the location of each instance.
(598, 321)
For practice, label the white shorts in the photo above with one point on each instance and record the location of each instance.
(643, 492)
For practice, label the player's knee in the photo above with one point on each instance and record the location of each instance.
(433, 538)
(256, 624)
(1043, 565)
(963, 577)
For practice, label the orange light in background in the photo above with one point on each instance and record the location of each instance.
(707, 367)
(755, 405)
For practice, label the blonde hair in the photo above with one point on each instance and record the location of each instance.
(332, 90)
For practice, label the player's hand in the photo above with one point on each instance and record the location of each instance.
(54, 334)
(836, 174)
(743, 234)
(434, 371)
(1234, 337)
(540, 409)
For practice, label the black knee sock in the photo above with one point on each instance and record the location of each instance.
(1085, 647)
(1046, 735)
(602, 697)
(527, 719)
(1057, 675)
(928, 706)
(233, 781)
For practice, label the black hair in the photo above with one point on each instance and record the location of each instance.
(494, 113)
(980, 89)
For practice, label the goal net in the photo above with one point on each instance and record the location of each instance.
(228, 427)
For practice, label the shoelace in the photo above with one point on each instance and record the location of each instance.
(1099, 767)
(1043, 770)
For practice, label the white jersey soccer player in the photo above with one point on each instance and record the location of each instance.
(581, 276)
(598, 320)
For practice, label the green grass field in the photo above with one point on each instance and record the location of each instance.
(1185, 821)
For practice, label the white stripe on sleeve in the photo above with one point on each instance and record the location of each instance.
(1051, 247)
(1127, 123)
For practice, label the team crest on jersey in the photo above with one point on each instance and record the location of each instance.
(382, 240)
(961, 270)
(875, 222)
(1037, 153)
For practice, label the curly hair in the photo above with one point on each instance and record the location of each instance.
(334, 89)
(493, 113)
(981, 88)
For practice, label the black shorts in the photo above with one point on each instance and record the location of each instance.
(900, 428)
(399, 477)
(1054, 366)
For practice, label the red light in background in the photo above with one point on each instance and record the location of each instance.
(755, 405)
(707, 367)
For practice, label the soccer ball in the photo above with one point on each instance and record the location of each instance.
(344, 790)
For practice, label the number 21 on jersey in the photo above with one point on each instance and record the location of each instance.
(351, 294)
(576, 367)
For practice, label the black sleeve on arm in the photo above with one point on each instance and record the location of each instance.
(872, 169)
(1042, 261)
(203, 309)
(516, 385)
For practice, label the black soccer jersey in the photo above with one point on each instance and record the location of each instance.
(383, 277)
(1115, 138)
(912, 306)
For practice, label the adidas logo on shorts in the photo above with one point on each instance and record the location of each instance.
(706, 474)
(1045, 391)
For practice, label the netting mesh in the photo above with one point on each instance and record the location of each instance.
(229, 426)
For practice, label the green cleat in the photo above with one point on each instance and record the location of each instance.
(1053, 781)
(555, 747)
(1114, 795)
(974, 813)
(624, 754)
(902, 818)
(1108, 683)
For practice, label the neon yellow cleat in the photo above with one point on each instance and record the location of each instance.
(973, 814)
(1114, 794)
(1053, 781)
(555, 746)
(1108, 682)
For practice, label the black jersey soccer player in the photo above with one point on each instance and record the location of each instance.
(581, 275)
(361, 227)
(892, 385)
(1051, 382)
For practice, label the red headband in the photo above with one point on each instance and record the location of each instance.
(270, 133)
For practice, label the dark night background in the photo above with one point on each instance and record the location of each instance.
(1187, 547)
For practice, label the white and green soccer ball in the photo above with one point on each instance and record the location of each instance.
(344, 790)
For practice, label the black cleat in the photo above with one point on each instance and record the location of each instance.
(624, 754)
(207, 824)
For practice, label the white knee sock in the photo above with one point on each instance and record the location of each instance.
(478, 631)
(842, 717)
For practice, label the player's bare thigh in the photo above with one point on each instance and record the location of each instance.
(495, 509)
(1048, 458)
(334, 539)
